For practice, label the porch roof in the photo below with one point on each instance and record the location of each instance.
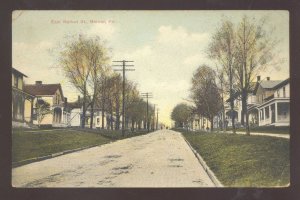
(267, 103)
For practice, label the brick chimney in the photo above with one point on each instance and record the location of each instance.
(268, 78)
(38, 82)
(258, 78)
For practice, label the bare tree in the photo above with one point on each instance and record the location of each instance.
(81, 59)
(254, 51)
(222, 49)
(97, 56)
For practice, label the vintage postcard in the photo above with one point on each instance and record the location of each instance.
(159, 99)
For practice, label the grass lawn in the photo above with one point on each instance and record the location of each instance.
(26, 145)
(244, 161)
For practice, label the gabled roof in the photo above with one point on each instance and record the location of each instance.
(282, 83)
(17, 72)
(269, 84)
(265, 84)
(42, 89)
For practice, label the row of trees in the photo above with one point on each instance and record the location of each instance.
(205, 96)
(240, 51)
(85, 62)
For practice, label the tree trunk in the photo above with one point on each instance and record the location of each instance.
(244, 106)
(211, 124)
(111, 117)
(118, 121)
(132, 125)
(92, 114)
(242, 115)
(232, 115)
(117, 116)
(83, 108)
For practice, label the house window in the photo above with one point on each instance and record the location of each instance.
(16, 81)
(283, 91)
(57, 99)
(98, 121)
(278, 94)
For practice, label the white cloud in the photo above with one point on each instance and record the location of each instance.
(195, 60)
(107, 31)
(179, 36)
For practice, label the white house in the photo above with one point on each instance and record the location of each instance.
(76, 115)
(268, 104)
(274, 108)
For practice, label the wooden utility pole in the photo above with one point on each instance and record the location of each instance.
(124, 65)
(147, 95)
(153, 117)
(157, 119)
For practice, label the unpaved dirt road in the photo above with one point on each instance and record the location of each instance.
(158, 159)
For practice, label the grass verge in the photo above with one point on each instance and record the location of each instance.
(31, 143)
(244, 161)
(114, 134)
(265, 129)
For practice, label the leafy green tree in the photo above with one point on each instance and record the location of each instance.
(205, 93)
(42, 109)
(181, 114)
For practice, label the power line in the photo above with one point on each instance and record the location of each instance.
(123, 69)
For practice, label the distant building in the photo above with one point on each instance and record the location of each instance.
(76, 115)
(52, 94)
(198, 122)
(20, 100)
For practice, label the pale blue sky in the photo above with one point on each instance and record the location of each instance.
(167, 46)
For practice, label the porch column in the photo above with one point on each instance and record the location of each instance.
(270, 114)
(276, 114)
(31, 111)
(259, 113)
(265, 114)
(62, 115)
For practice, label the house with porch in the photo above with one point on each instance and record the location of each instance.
(267, 105)
(21, 117)
(57, 116)
(273, 103)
